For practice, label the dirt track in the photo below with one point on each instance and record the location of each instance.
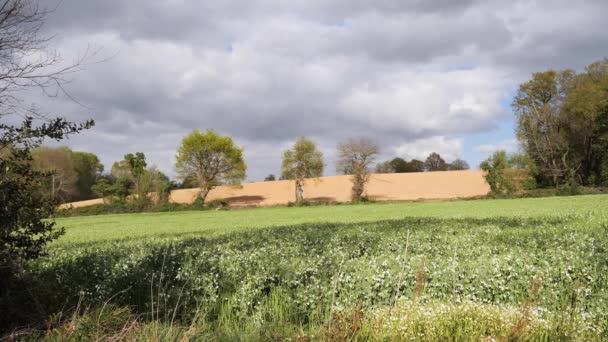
(381, 187)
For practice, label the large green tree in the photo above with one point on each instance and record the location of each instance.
(303, 161)
(211, 160)
(541, 124)
(89, 169)
(562, 121)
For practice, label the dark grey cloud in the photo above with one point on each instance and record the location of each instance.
(414, 75)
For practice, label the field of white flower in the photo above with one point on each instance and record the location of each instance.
(516, 274)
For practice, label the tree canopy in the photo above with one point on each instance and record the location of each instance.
(211, 160)
(304, 160)
(89, 169)
(562, 124)
(434, 162)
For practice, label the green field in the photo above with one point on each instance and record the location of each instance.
(205, 223)
(524, 269)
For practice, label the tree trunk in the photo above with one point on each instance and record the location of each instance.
(358, 187)
(203, 194)
(299, 191)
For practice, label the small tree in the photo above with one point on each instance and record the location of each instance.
(354, 158)
(154, 181)
(270, 178)
(495, 166)
(303, 161)
(211, 159)
(508, 175)
(137, 166)
(434, 162)
(458, 165)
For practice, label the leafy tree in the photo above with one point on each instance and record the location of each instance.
(58, 163)
(121, 188)
(137, 167)
(114, 189)
(157, 183)
(270, 178)
(508, 175)
(586, 111)
(26, 204)
(303, 161)
(103, 188)
(562, 124)
(494, 167)
(399, 165)
(89, 170)
(434, 162)
(541, 127)
(354, 158)
(211, 159)
(457, 165)
(415, 165)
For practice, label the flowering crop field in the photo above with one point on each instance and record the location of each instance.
(523, 269)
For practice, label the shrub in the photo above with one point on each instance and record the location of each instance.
(570, 188)
(506, 176)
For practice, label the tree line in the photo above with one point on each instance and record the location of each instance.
(562, 129)
(205, 160)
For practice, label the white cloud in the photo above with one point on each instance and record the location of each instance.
(507, 145)
(429, 102)
(448, 148)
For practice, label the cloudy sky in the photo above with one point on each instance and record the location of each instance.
(415, 75)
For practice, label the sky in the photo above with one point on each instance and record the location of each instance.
(416, 76)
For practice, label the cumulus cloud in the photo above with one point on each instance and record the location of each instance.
(417, 76)
(448, 148)
(507, 145)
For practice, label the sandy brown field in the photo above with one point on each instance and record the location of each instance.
(381, 187)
